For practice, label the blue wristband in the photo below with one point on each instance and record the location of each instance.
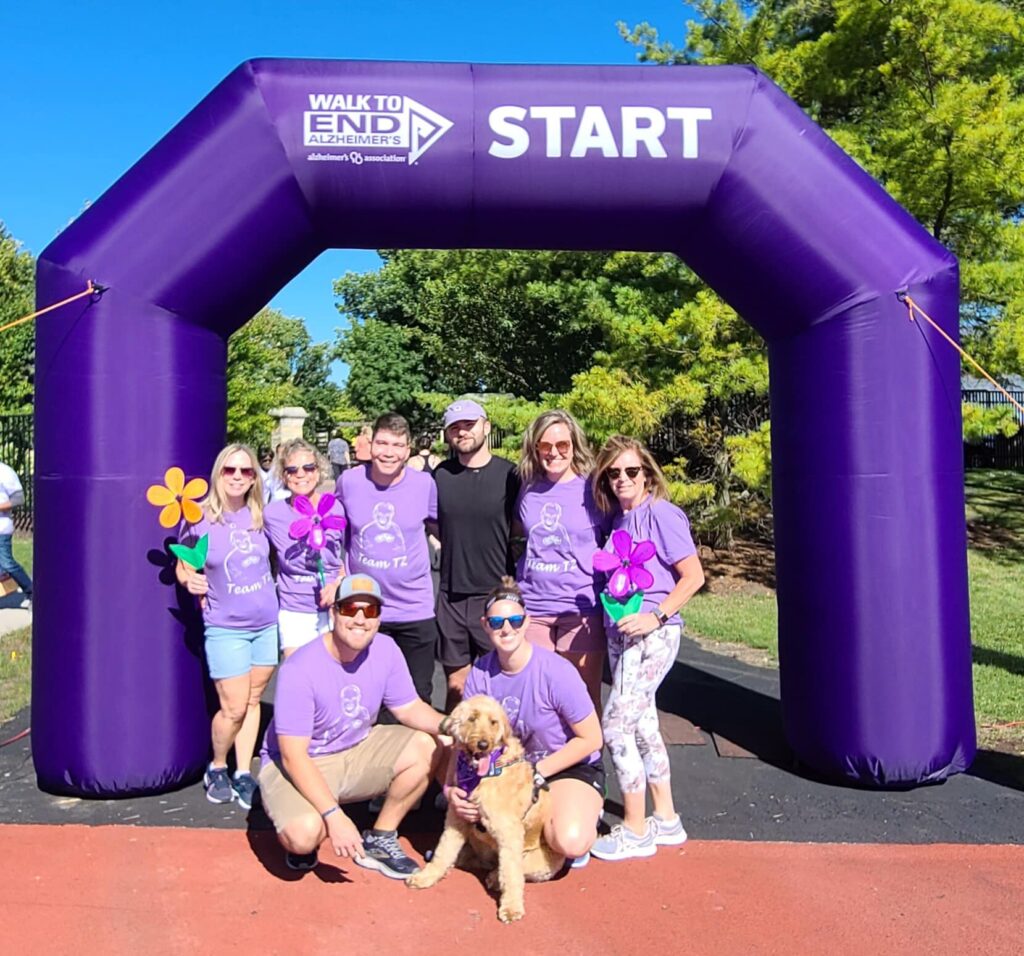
(329, 811)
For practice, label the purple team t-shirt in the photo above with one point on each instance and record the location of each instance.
(336, 704)
(241, 594)
(385, 538)
(298, 583)
(563, 528)
(542, 701)
(669, 528)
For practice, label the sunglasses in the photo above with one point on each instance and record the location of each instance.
(370, 609)
(308, 468)
(228, 470)
(631, 472)
(562, 447)
(496, 623)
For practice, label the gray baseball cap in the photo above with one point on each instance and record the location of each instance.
(464, 410)
(358, 585)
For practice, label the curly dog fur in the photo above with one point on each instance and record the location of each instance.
(511, 830)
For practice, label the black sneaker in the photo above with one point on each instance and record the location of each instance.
(383, 853)
(217, 781)
(301, 861)
(245, 788)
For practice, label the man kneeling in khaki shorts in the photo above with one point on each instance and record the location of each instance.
(322, 748)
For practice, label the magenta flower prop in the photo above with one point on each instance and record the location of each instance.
(315, 521)
(625, 565)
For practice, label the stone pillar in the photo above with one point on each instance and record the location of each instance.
(289, 424)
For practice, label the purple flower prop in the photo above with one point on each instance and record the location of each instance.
(315, 521)
(626, 565)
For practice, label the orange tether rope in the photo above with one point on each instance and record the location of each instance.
(56, 305)
(913, 307)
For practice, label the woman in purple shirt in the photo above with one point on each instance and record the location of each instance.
(563, 527)
(552, 714)
(306, 579)
(642, 647)
(239, 605)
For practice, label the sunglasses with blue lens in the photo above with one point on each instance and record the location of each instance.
(496, 623)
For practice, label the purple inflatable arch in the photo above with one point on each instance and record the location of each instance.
(286, 158)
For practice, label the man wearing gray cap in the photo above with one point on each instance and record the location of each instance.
(323, 749)
(476, 498)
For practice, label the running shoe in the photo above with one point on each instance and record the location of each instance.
(623, 844)
(667, 832)
(217, 781)
(301, 862)
(383, 853)
(245, 788)
(577, 863)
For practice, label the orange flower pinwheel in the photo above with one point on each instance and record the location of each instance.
(177, 498)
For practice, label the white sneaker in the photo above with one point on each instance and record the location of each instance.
(667, 832)
(623, 844)
(26, 604)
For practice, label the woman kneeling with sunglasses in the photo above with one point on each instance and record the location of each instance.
(239, 604)
(550, 710)
(307, 579)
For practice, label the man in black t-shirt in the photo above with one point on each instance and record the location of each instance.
(476, 499)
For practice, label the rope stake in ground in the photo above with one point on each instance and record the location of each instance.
(913, 307)
(91, 289)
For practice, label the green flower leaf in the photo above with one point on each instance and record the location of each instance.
(194, 557)
(617, 611)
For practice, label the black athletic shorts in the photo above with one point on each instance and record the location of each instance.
(592, 773)
(461, 637)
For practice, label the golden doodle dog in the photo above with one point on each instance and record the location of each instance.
(491, 767)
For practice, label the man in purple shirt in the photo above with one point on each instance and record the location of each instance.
(322, 748)
(388, 506)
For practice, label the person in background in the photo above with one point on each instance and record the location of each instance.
(236, 592)
(642, 647)
(11, 496)
(424, 460)
(362, 445)
(563, 528)
(476, 498)
(338, 454)
(306, 578)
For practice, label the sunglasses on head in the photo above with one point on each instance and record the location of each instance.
(228, 470)
(308, 468)
(496, 623)
(631, 472)
(562, 447)
(370, 609)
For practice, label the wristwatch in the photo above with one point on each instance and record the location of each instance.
(661, 616)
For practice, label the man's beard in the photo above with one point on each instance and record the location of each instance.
(473, 448)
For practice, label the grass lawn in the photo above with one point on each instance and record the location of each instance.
(16, 651)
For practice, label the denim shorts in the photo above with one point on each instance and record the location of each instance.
(232, 651)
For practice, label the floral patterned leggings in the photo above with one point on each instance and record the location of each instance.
(630, 720)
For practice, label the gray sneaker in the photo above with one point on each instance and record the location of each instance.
(383, 853)
(667, 832)
(217, 781)
(623, 844)
(245, 788)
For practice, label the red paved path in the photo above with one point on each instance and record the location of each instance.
(100, 890)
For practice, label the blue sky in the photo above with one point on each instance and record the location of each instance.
(91, 86)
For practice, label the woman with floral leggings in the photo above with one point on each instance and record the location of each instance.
(642, 646)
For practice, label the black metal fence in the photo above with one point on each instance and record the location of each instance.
(995, 451)
(17, 452)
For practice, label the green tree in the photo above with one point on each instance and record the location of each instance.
(272, 361)
(17, 345)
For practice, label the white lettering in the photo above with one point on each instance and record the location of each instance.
(650, 134)
(502, 125)
(689, 116)
(594, 133)
(553, 116)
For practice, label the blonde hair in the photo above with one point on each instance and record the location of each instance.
(289, 448)
(615, 446)
(531, 468)
(507, 590)
(213, 503)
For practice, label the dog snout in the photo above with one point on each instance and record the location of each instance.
(482, 745)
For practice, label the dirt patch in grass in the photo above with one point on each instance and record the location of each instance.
(749, 568)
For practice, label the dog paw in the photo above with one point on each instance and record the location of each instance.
(421, 880)
(508, 913)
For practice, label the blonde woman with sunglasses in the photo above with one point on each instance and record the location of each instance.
(563, 527)
(642, 647)
(307, 579)
(236, 592)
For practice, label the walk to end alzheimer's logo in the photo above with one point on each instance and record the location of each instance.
(362, 128)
